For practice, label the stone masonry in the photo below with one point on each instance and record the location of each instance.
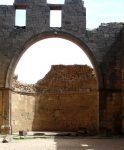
(104, 46)
(62, 101)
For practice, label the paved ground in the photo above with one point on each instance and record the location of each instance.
(64, 144)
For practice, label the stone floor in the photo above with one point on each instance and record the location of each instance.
(64, 144)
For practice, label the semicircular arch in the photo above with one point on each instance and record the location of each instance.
(46, 35)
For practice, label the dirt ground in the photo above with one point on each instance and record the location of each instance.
(64, 144)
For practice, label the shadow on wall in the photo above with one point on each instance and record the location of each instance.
(112, 68)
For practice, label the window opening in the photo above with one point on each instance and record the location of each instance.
(55, 1)
(55, 18)
(20, 18)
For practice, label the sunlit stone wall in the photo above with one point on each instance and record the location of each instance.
(66, 99)
(22, 110)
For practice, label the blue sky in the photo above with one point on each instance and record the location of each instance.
(104, 11)
(52, 51)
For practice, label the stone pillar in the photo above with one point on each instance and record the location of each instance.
(74, 17)
(122, 75)
(20, 2)
(110, 112)
(102, 103)
(5, 111)
(7, 18)
(123, 101)
(38, 17)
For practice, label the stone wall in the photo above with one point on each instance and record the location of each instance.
(101, 39)
(66, 98)
(64, 101)
(113, 113)
(22, 111)
(23, 105)
(104, 46)
(1, 107)
(22, 88)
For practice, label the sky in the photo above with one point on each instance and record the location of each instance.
(52, 51)
(45, 53)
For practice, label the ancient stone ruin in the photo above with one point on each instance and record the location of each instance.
(66, 99)
(104, 47)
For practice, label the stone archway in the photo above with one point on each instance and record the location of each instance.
(53, 34)
(57, 34)
(102, 47)
(17, 39)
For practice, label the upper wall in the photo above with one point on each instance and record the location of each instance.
(38, 15)
(7, 17)
(74, 17)
(15, 40)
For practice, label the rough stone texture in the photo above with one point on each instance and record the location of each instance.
(64, 101)
(74, 17)
(66, 98)
(23, 106)
(1, 113)
(41, 15)
(122, 73)
(113, 113)
(65, 78)
(23, 88)
(104, 46)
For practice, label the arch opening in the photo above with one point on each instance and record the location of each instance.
(38, 59)
(62, 35)
(59, 98)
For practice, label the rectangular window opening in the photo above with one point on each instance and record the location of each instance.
(20, 18)
(55, 18)
(55, 1)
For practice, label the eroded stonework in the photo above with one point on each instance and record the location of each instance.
(23, 88)
(103, 45)
(64, 101)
